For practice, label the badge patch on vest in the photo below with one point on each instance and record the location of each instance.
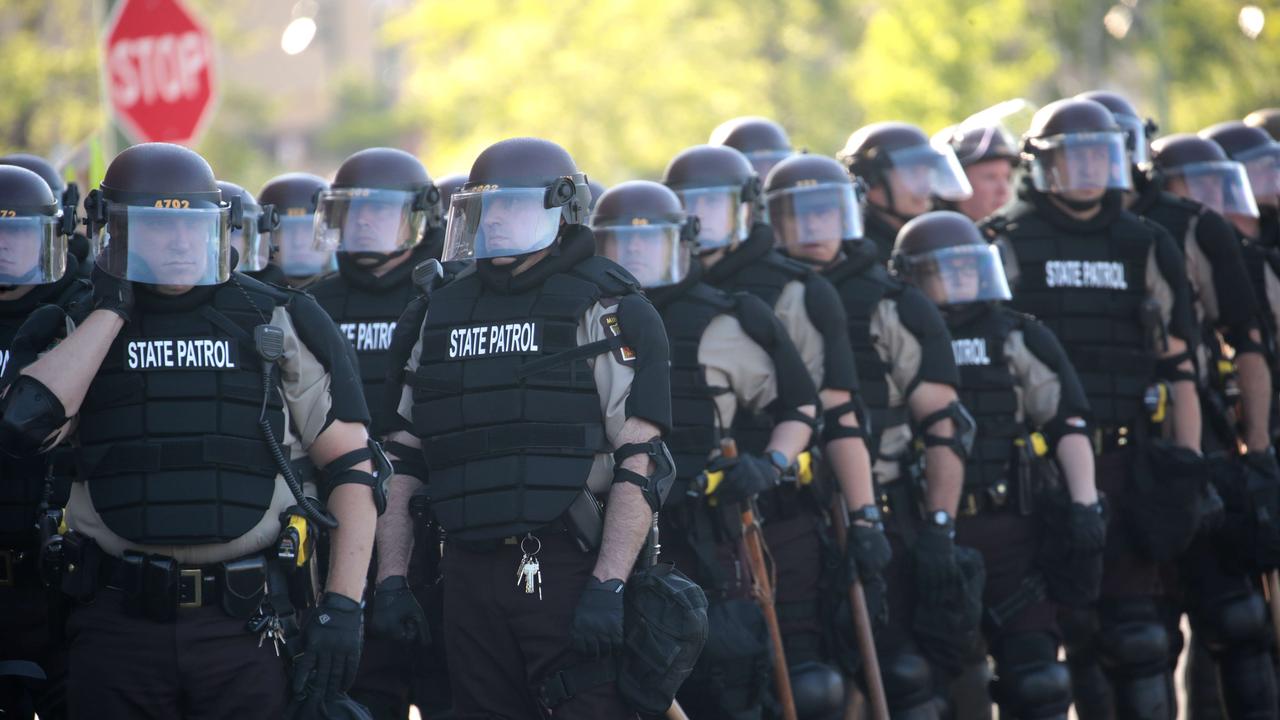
(1101, 274)
(369, 336)
(970, 351)
(612, 329)
(181, 354)
(488, 340)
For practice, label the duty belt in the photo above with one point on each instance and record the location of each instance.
(1110, 439)
(974, 501)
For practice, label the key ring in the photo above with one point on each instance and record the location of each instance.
(530, 536)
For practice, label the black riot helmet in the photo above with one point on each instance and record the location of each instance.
(717, 185)
(975, 143)
(944, 254)
(68, 193)
(762, 140)
(1257, 151)
(812, 201)
(379, 205)
(160, 218)
(448, 185)
(1268, 119)
(1198, 169)
(34, 228)
(642, 226)
(295, 197)
(900, 158)
(518, 194)
(253, 250)
(597, 189)
(1138, 131)
(1076, 151)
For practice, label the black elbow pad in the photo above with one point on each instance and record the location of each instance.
(32, 415)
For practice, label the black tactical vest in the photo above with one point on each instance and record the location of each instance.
(878, 230)
(1087, 283)
(987, 391)
(508, 435)
(22, 480)
(365, 308)
(863, 282)
(169, 437)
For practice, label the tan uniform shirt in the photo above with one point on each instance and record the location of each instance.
(901, 353)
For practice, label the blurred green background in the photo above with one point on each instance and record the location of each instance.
(625, 84)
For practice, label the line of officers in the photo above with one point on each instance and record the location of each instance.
(357, 444)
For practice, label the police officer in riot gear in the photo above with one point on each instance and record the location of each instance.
(729, 355)
(381, 216)
(298, 261)
(989, 155)
(67, 194)
(252, 240)
(904, 173)
(907, 380)
(1213, 580)
(1268, 119)
(737, 254)
(763, 141)
(531, 369)
(178, 427)
(1112, 287)
(1030, 410)
(40, 297)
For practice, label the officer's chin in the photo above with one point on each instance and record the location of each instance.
(172, 289)
(503, 261)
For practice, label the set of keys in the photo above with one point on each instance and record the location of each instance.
(529, 571)
(268, 627)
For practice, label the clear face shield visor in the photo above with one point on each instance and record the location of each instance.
(182, 243)
(957, 275)
(364, 220)
(1263, 167)
(654, 254)
(1081, 162)
(252, 245)
(815, 214)
(298, 257)
(925, 171)
(1222, 186)
(32, 249)
(724, 219)
(501, 222)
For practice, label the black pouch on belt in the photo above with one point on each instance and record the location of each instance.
(160, 588)
(128, 577)
(244, 586)
(82, 559)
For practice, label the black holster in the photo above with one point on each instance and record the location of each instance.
(81, 566)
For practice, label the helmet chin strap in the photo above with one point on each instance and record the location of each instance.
(1079, 205)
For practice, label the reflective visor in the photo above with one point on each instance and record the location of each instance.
(928, 170)
(1263, 166)
(253, 249)
(502, 222)
(724, 218)
(1135, 137)
(958, 275)
(32, 252)
(167, 246)
(295, 244)
(363, 220)
(1221, 186)
(653, 253)
(1081, 162)
(815, 214)
(764, 160)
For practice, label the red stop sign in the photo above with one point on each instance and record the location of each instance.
(158, 63)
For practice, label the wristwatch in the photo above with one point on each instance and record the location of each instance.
(869, 514)
(942, 520)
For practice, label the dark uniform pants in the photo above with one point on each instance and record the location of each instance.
(502, 644)
(797, 550)
(202, 665)
(26, 633)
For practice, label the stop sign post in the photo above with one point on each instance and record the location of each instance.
(157, 61)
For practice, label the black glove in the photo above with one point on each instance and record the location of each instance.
(596, 631)
(331, 643)
(44, 325)
(1262, 486)
(112, 293)
(1071, 553)
(866, 556)
(1088, 528)
(397, 616)
(935, 562)
(746, 477)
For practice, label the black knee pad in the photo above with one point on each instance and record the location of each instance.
(1134, 649)
(818, 690)
(908, 681)
(1031, 683)
(1233, 622)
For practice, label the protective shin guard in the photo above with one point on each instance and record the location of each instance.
(1248, 686)
(968, 695)
(1200, 678)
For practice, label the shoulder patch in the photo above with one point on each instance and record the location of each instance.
(613, 328)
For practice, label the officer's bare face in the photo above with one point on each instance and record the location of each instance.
(372, 226)
(1083, 172)
(510, 222)
(174, 245)
(911, 185)
(298, 247)
(992, 183)
(647, 255)
(715, 214)
(19, 247)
